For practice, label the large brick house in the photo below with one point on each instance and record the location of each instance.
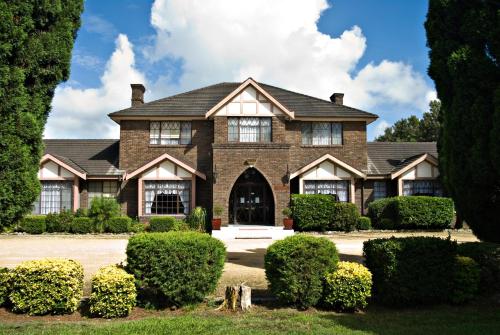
(243, 146)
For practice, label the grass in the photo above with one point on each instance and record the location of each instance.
(481, 318)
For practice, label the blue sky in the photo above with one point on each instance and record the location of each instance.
(374, 51)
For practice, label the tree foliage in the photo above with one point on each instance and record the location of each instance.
(36, 39)
(463, 37)
(413, 129)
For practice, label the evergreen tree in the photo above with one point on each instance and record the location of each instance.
(36, 39)
(463, 37)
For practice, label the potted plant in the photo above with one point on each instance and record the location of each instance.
(287, 220)
(216, 220)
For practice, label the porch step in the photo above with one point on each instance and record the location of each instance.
(251, 232)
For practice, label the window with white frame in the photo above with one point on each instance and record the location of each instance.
(321, 133)
(422, 187)
(338, 188)
(249, 129)
(102, 188)
(170, 132)
(54, 197)
(167, 197)
(379, 189)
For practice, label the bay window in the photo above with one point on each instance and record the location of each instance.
(321, 133)
(170, 132)
(167, 197)
(249, 129)
(338, 188)
(54, 197)
(422, 187)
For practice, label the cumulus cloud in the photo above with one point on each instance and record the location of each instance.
(83, 112)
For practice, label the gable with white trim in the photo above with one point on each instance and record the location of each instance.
(49, 170)
(249, 102)
(326, 171)
(166, 170)
(424, 170)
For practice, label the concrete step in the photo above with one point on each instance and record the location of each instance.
(251, 232)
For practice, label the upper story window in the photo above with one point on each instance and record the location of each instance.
(322, 133)
(170, 132)
(249, 129)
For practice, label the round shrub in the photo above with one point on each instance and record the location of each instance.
(33, 224)
(295, 268)
(386, 223)
(364, 223)
(487, 255)
(312, 211)
(59, 222)
(4, 285)
(82, 225)
(345, 216)
(117, 225)
(466, 276)
(47, 286)
(113, 293)
(180, 267)
(165, 224)
(102, 209)
(348, 288)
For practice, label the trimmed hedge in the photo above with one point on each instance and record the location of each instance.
(4, 286)
(82, 225)
(466, 276)
(364, 223)
(412, 212)
(59, 222)
(47, 286)
(348, 288)
(487, 256)
(320, 212)
(177, 267)
(411, 271)
(33, 224)
(165, 224)
(296, 266)
(118, 224)
(113, 293)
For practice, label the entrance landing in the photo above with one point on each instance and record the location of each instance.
(233, 232)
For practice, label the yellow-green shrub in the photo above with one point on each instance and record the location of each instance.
(46, 286)
(348, 287)
(113, 292)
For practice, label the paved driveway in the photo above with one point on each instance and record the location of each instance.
(245, 260)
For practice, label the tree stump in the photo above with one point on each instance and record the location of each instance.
(236, 297)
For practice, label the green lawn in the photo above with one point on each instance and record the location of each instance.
(480, 319)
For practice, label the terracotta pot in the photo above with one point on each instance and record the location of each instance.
(288, 224)
(216, 223)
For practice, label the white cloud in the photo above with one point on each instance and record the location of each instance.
(98, 25)
(380, 127)
(87, 61)
(83, 112)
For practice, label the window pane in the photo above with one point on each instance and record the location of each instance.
(336, 133)
(321, 133)
(249, 129)
(54, 197)
(306, 131)
(185, 132)
(167, 197)
(170, 132)
(232, 129)
(265, 129)
(339, 188)
(379, 189)
(154, 132)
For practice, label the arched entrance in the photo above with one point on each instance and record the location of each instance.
(251, 200)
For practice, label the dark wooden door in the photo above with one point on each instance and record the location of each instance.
(250, 205)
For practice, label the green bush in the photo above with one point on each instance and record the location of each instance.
(138, 227)
(33, 224)
(47, 286)
(347, 288)
(466, 276)
(364, 223)
(197, 219)
(412, 270)
(82, 212)
(312, 211)
(118, 224)
(387, 224)
(296, 266)
(59, 222)
(345, 216)
(113, 293)
(177, 267)
(165, 224)
(4, 286)
(412, 212)
(82, 225)
(102, 209)
(487, 256)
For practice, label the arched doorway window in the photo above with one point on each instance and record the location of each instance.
(251, 200)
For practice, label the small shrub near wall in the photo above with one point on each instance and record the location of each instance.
(345, 216)
(487, 256)
(177, 267)
(312, 212)
(376, 211)
(33, 224)
(47, 286)
(59, 222)
(466, 276)
(411, 271)
(102, 209)
(4, 286)
(118, 225)
(364, 223)
(82, 225)
(296, 266)
(113, 293)
(165, 224)
(348, 288)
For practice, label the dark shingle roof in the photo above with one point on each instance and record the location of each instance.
(94, 157)
(387, 157)
(198, 102)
